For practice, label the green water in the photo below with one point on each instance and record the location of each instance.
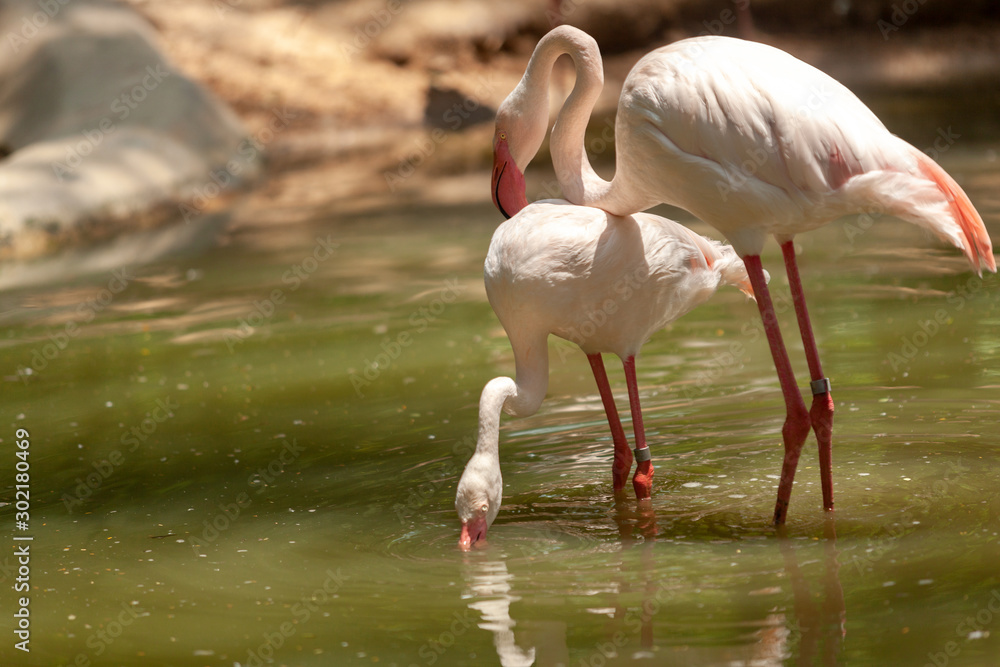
(207, 493)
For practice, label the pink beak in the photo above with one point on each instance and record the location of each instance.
(508, 182)
(472, 531)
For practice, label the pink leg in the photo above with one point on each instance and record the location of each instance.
(796, 427)
(821, 413)
(623, 455)
(642, 481)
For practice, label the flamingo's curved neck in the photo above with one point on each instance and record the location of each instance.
(579, 182)
(521, 398)
(496, 392)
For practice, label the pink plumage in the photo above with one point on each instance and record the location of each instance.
(754, 142)
(604, 282)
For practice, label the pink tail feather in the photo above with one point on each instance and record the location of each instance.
(978, 247)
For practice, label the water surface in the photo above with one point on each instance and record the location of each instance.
(250, 457)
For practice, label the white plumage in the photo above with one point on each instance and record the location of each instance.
(604, 282)
(755, 143)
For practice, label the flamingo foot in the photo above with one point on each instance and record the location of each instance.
(621, 468)
(794, 434)
(821, 416)
(642, 481)
(647, 519)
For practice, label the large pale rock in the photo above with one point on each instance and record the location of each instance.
(104, 136)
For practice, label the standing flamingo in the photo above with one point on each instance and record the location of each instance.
(755, 143)
(604, 282)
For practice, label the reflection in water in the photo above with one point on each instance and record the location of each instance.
(813, 624)
(812, 633)
(488, 590)
(828, 620)
(641, 520)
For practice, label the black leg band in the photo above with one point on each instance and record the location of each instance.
(820, 386)
(642, 455)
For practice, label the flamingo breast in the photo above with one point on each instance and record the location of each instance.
(604, 282)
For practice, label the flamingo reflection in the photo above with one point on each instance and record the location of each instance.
(826, 622)
(489, 592)
(810, 631)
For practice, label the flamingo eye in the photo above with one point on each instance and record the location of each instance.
(503, 136)
(485, 507)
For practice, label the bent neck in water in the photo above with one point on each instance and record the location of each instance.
(521, 398)
(495, 394)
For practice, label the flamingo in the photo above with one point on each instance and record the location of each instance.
(604, 282)
(754, 142)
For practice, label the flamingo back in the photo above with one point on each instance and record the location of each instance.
(604, 282)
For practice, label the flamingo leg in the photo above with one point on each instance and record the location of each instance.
(623, 455)
(642, 481)
(821, 412)
(796, 427)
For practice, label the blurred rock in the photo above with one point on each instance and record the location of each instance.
(450, 109)
(387, 98)
(103, 135)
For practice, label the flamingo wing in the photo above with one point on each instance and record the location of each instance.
(753, 140)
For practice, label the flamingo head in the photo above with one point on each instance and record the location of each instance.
(521, 125)
(480, 491)
(508, 180)
(731, 268)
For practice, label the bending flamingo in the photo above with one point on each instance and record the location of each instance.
(604, 282)
(755, 143)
